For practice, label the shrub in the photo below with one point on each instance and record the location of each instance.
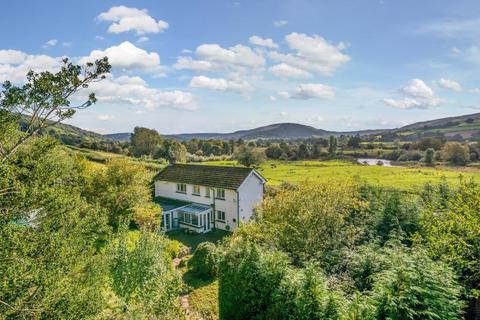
(416, 287)
(204, 262)
(455, 153)
(412, 155)
(247, 278)
(174, 248)
(429, 156)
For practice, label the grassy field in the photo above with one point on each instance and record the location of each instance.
(276, 172)
(403, 178)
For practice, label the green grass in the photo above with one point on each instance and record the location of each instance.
(277, 172)
(193, 240)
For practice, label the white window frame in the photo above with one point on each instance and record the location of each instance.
(194, 192)
(220, 215)
(220, 193)
(207, 192)
(181, 187)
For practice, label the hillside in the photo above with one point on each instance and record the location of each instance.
(68, 134)
(466, 126)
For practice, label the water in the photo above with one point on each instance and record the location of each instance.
(375, 162)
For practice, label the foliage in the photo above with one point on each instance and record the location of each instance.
(173, 151)
(455, 153)
(143, 277)
(249, 156)
(148, 216)
(122, 189)
(44, 98)
(321, 218)
(144, 141)
(204, 301)
(415, 287)
(429, 156)
(452, 229)
(246, 269)
(204, 262)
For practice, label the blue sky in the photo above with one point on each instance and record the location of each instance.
(219, 66)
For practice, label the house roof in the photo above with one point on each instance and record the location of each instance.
(211, 176)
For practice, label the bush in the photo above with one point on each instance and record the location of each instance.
(429, 156)
(411, 156)
(455, 153)
(247, 278)
(174, 248)
(415, 287)
(204, 262)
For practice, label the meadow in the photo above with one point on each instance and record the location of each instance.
(404, 178)
(278, 172)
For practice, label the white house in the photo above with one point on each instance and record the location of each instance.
(202, 197)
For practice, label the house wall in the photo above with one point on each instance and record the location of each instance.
(229, 205)
(250, 195)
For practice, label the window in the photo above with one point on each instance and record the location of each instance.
(181, 187)
(220, 215)
(194, 219)
(220, 194)
(196, 190)
(207, 192)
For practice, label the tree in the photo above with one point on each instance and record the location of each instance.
(354, 142)
(429, 157)
(323, 218)
(173, 151)
(274, 151)
(332, 146)
(144, 141)
(122, 189)
(143, 277)
(248, 156)
(455, 153)
(45, 99)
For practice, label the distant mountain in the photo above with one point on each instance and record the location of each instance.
(466, 126)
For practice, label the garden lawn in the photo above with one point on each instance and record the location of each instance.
(403, 178)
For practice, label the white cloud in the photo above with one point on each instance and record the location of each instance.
(285, 71)
(312, 54)
(135, 91)
(12, 56)
(132, 19)
(283, 114)
(308, 91)
(272, 98)
(416, 95)
(50, 43)
(256, 40)
(212, 57)
(15, 64)
(105, 117)
(449, 84)
(237, 55)
(196, 65)
(280, 23)
(220, 84)
(67, 44)
(128, 57)
(142, 39)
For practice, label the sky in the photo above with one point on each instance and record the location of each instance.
(219, 66)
